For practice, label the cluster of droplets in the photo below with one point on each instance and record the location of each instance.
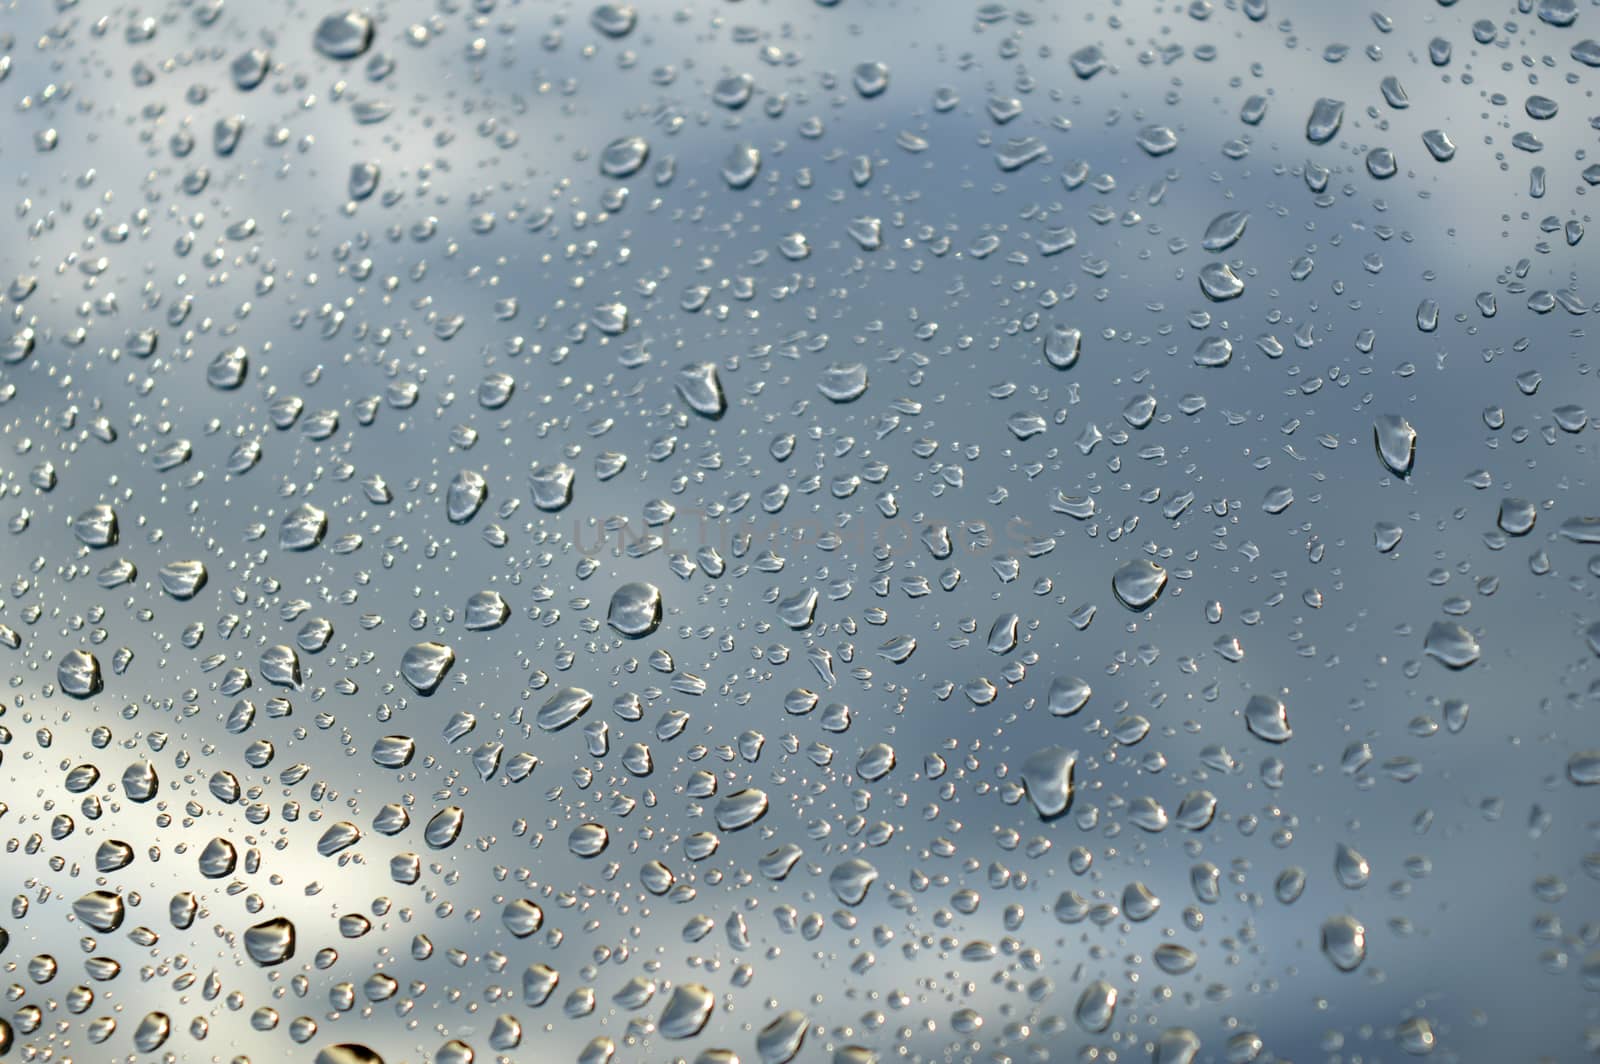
(640, 534)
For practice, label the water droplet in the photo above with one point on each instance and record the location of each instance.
(1097, 1006)
(1396, 441)
(1061, 346)
(687, 1011)
(1067, 695)
(1177, 1045)
(1415, 1036)
(741, 809)
(97, 527)
(1219, 282)
(851, 879)
(1516, 516)
(635, 609)
(1225, 230)
(1350, 867)
(1583, 768)
(1344, 942)
(183, 580)
(486, 610)
(1267, 718)
(701, 389)
(1047, 777)
(1137, 584)
(843, 383)
(1326, 117)
(780, 1041)
(444, 827)
(1450, 644)
(588, 840)
(1157, 140)
(270, 942)
(101, 910)
(551, 486)
(348, 1053)
(303, 528)
(564, 707)
(465, 496)
(424, 665)
(345, 35)
(522, 917)
(79, 674)
(614, 20)
(624, 156)
(741, 166)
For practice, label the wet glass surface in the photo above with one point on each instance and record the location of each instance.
(822, 531)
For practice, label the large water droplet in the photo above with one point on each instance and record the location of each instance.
(1138, 583)
(444, 827)
(687, 1011)
(1326, 117)
(700, 388)
(1219, 282)
(635, 609)
(96, 527)
(1047, 777)
(79, 674)
(563, 707)
(1096, 1007)
(303, 528)
(1267, 718)
(1396, 441)
(348, 1053)
(624, 156)
(780, 1041)
(465, 496)
(101, 910)
(851, 879)
(741, 809)
(1451, 644)
(344, 35)
(1225, 230)
(270, 942)
(424, 665)
(1344, 942)
(1067, 695)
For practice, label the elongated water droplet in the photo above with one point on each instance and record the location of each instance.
(1327, 116)
(1344, 941)
(1047, 777)
(741, 809)
(1396, 441)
